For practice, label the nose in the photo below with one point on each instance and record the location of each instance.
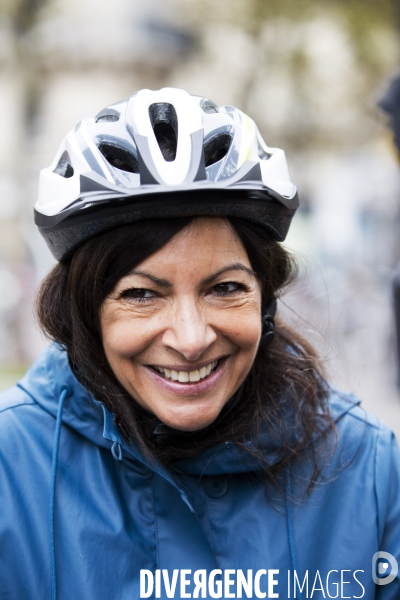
(189, 332)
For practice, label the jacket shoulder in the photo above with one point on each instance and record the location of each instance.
(362, 434)
(13, 398)
(346, 409)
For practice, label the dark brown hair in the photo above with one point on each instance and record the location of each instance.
(283, 399)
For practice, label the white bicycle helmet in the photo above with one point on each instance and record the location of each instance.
(115, 169)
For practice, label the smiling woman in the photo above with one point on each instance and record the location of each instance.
(179, 296)
(177, 425)
(181, 331)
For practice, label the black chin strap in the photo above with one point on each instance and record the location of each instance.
(268, 324)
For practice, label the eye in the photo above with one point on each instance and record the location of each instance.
(228, 288)
(140, 294)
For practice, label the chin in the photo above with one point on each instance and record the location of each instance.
(188, 422)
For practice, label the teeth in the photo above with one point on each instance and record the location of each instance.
(194, 376)
(183, 376)
(186, 376)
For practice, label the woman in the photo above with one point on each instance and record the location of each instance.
(175, 441)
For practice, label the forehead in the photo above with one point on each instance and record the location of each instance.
(205, 243)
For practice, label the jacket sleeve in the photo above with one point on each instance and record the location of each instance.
(387, 489)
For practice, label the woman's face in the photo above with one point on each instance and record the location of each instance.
(182, 329)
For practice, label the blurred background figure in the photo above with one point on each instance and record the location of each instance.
(309, 72)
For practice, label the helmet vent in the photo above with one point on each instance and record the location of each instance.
(208, 106)
(262, 154)
(64, 166)
(108, 114)
(164, 121)
(107, 118)
(209, 109)
(216, 148)
(119, 157)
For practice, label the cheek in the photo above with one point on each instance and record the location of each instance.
(243, 330)
(124, 337)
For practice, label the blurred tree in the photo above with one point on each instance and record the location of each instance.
(342, 47)
(359, 14)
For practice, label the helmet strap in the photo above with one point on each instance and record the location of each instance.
(268, 324)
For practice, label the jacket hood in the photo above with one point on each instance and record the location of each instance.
(51, 374)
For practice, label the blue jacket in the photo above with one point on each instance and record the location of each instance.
(84, 523)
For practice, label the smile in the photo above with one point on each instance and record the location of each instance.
(188, 376)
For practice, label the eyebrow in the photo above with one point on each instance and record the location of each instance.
(157, 280)
(167, 284)
(233, 267)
